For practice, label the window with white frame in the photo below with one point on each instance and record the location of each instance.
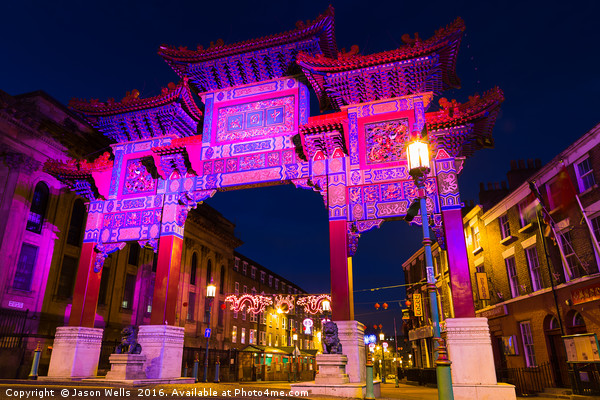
(253, 317)
(282, 322)
(585, 175)
(596, 227)
(276, 283)
(245, 289)
(263, 319)
(237, 288)
(262, 276)
(527, 339)
(527, 211)
(534, 268)
(513, 280)
(243, 337)
(236, 265)
(234, 334)
(475, 235)
(253, 272)
(263, 338)
(283, 287)
(270, 280)
(244, 267)
(504, 226)
(566, 241)
(270, 339)
(251, 336)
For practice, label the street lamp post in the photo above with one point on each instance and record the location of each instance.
(418, 164)
(294, 358)
(381, 339)
(211, 290)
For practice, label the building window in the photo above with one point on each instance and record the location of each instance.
(194, 268)
(191, 306)
(253, 317)
(75, 233)
(271, 279)
(282, 322)
(66, 280)
(527, 211)
(566, 240)
(222, 281)
(276, 284)
(237, 288)
(244, 312)
(253, 273)
(527, 338)
(253, 291)
(263, 319)
(128, 290)
(134, 253)
(209, 271)
(24, 274)
(252, 338)
(263, 338)
(244, 267)
(236, 265)
(262, 276)
(475, 235)
(234, 334)
(221, 313)
(245, 289)
(596, 227)
(585, 175)
(37, 212)
(534, 268)
(504, 226)
(270, 339)
(511, 269)
(103, 285)
(243, 337)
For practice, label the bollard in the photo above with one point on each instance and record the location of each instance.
(217, 367)
(37, 353)
(185, 370)
(369, 394)
(397, 381)
(196, 361)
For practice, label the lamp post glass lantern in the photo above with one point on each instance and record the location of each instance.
(211, 291)
(383, 346)
(419, 166)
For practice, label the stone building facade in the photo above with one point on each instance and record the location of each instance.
(535, 286)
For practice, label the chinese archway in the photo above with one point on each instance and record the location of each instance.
(254, 129)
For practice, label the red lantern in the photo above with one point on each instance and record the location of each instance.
(377, 306)
(380, 326)
(408, 303)
(223, 306)
(374, 326)
(385, 306)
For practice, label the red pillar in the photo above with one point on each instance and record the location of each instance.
(166, 286)
(342, 301)
(87, 288)
(460, 277)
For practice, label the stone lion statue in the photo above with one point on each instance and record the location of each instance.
(128, 343)
(331, 341)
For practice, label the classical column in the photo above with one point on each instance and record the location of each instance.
(342, 302)
(164, 300)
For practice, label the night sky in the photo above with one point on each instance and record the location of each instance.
(543, 55)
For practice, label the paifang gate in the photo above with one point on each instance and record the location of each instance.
(253, 129)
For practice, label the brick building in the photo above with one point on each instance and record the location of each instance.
(535, 286)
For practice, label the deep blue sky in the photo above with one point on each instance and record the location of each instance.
(543, 54)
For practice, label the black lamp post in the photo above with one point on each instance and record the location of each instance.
(381, 339)
(211, 290)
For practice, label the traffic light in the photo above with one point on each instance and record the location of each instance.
(413, 210)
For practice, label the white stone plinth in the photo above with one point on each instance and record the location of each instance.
(163, 347)
(75, 352)
(346, 390)
(332, 369)
(351, 334)
(126, 367)
(470, 350)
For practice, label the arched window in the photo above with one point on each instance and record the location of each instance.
(194, 269)
(76, 223)
(39, 203)
(208, 272)
(222, 283)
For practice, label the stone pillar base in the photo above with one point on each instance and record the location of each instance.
(126, 367)
(163, 347)
(468, 339)
(75, 352)
(332, 369)
(351, 334)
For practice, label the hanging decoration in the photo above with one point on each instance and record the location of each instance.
(256, 303)
(313, 304)
(284, 303)
(252, 303)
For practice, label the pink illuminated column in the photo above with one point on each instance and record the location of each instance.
(342, 302)
(460, 277)
(87, 289)
(166, 286)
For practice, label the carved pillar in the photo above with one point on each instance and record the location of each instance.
(448, 169)
(342, 302)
